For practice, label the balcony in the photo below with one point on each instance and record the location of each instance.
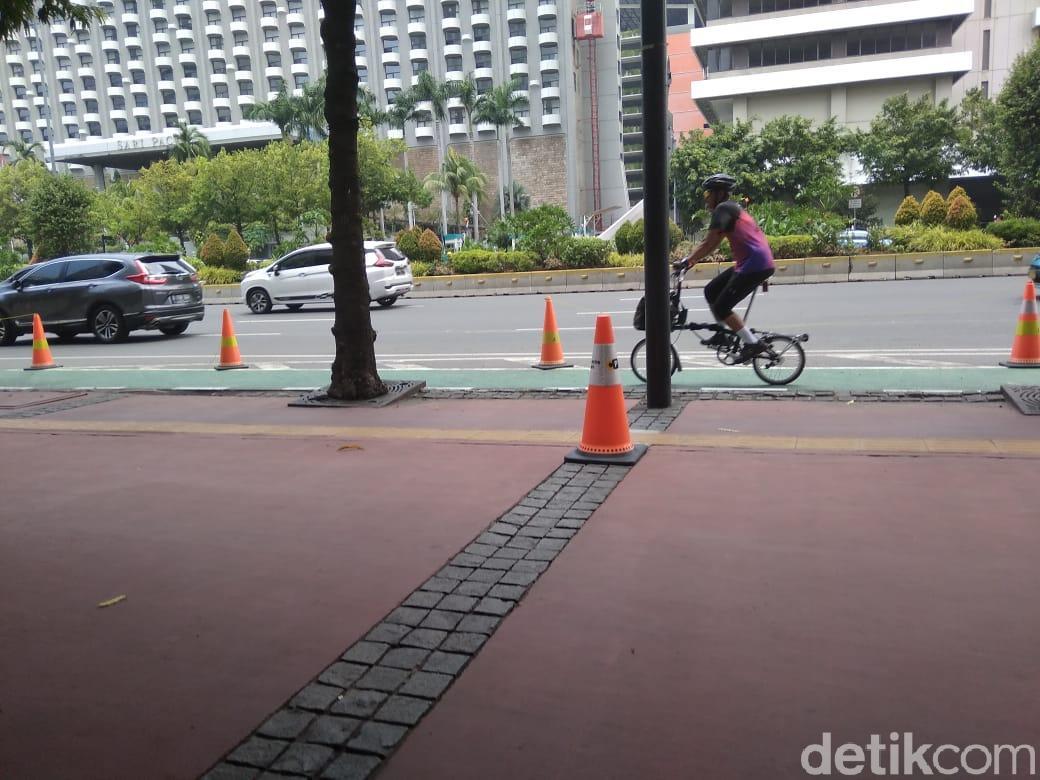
(222, 102)
(388, 31)
(548, 38)
(92, 118)
(483, 73)
(550, 92)
(392, 82)
(63, 75)
(218, 78)
(243, 75)
(115, 92)
(424, 131)
(241, 51)
(169, 108)
(190, 82)
(113, 67)
(20, 103)
(295, 18)
(272, 47)
(424, 106)
(166, 85)
(549, 65)
(61, 51)
(192, 105)
(550, 120)
(23, 125)
(419, 55)
(518, 67)
(236, 3)
(391, 56)
(516, 14)
(453, 50)
(106, 46)
(274, 72)
(141, 111)
(83, 48)
(417, 28)
(482, 46)
(187, 57)
(361, 61)
(300, 69)
(132, 42)
(66, 97)
(517, 42)
(130, 19)
(546, 11)
(210, 5)
(480, 20)
(160, 37)
(458, 129)
(69, 119)
(184, 35)
(157, 13)
(296, 44)
(451, 23)
(19, 81)
(415, 3)
(269, 22)
(246, 100)
(214, 29)
(386, 5)
(182, 9)
(117, 113)
(485, 127)
(14, 59)
(454, 75)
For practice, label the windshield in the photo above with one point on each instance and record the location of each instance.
(390, 253)
(165, 266)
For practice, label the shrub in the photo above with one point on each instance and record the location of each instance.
(909, 211)
(683, 249)
(956, 192)
(941, 239)
(675, 235)
(1017, 232)
(933, 208)
(236, 253)
(209, 274)
(408, 242)
(159, 244)
(795, 246)
(616, 260)
(960, 214)
(824, 239)
(420, 268)
(212, 252)
(584, 252)
(623, 239)
(8, 267)
(498, 234)
(429, 249)
(541, 229)
(483, 261)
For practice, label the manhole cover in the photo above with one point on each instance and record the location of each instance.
(395, 391)
(1025, 399)
(23, 400)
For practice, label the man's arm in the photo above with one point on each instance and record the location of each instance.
(706, 247)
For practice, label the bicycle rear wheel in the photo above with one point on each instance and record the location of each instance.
(783, 363)
(638, 360)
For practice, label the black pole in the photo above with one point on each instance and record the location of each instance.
(655, 205)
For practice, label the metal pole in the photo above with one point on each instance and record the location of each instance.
(655, 205)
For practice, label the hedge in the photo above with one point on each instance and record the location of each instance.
(480, 261)
(1017, 232)
(584, 252)
(211, 274)
(790, 247)
(941, 239)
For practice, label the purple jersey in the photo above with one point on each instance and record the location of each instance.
(751, 251)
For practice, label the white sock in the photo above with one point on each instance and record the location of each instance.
(747, 336)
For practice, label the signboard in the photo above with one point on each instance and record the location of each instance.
(855, 203)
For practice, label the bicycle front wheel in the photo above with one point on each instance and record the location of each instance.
(639, 360)
(782, 363)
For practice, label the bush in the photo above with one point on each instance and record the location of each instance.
(498, 234)
(933, 208)
(956, 192)
(616, 260)
(8, 267)
(787, 247)
(909, 211)
(215, 275)
(541, 230)
(629, 238)
(212, 252)
(584, 252)
(408, 242)
(257, 237)
(290, 245)
(420, 268)
(483, 261)
(960, 214)
(824, 238)
(941, 239)
(683, 249)
(158, 243)
(1017, 232)
(429, 248)
(675, 235)
(236, 253)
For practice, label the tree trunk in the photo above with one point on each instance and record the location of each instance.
(476, 202)
(439, 129)
(408, 208)
(509, 173)
(354, 374)
(501, 176)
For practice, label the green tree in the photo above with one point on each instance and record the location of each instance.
(911, 141)
(437, 93)
(909, 211)
(20, 14)
(460, 179)
(280, 110)
(979, 140)
(212, 251)
(188, 143)
(60, 217)
(227, 189)
(466, 93)
(1018, 107)
(18, 182)
(354, 373)
(382, 182)
(163, 189)
(120, 212)
(236, 253)
(961, 214)
(23, 150)
(541, 230)
(933, 208)
(501, 107)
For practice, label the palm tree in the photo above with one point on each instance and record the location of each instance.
(437, 94)
(500, 107)
(24, 150)
(467, 94)
(459, 178)
(397, 116)
(189, 142)
(368, 107)
(310, 109)
(281, 110)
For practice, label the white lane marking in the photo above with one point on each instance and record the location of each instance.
(538, 330)
(239, 334)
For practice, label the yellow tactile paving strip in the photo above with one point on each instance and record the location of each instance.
(903, 446)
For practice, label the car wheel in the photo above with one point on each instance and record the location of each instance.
(294, 306)
(175, 329)
(8, 330)
(387, 301)
(64, 334)
(107, 324)
(258, 301)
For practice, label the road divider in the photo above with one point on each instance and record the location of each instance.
(872, 268)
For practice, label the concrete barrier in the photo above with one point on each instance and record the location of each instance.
(548, 281)
(221, 293)
(1013, 261)
(825, 269)
(788, 272)
(872, 268)
(922, 265)
(959, 264)
(623, 279)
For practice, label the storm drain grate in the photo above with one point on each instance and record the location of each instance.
(1025, 398)
(20, 403)
(395, 391)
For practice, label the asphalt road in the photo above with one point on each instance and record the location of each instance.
(923, 324)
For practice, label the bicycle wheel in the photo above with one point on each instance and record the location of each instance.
(638, 360)
(783, 363)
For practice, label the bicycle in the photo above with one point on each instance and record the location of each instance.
(781, 363)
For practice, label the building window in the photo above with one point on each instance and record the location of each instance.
(144, 124)
(517, 28)
(85, 60)
(71, 131)
(388, 19)
(245, 88)
(192, 94)
(187, 46)
(121, 126)
(547, 26)
(452, 37)
(269, 10)
(517, 56)
(171, 120)
(275, 84)
(392, 70)
(391, 45)
(551, 106)
(140, 101)
(223, 115)
(213, 17)
(118, 103)
(301, 80)
(297, 32)
(17, 70)
(191, 71)
(162, 50)
(167, 98)
(985, 49)
(480, 6)
(295, 6)
(420, 66)
(115, 79)
(219, 66)
(112, 57)
(299, 57)
(130, 6)
(195, 118)
(900, 37)
(69, 108)
(109, 33)
(165, 73)
(241, 38)
(67, 87)
(417, 41)
(482, 59)
(271, 36)
(416, 15)
(94, 128)
(987, 11)
(242, 63)
(985, 89)
(22, 114)
(161, 25)
(90, 106)
(451, 10)
(482, 33)
(133, 31)
(133, 54)
(274, 60)
(453, 63)
(238, 14)
(216, 42)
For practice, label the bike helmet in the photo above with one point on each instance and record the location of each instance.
(719, 181)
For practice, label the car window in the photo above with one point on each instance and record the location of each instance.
(301, 260)
(18, 274)
(46, 274)
(165, 266)
(322, 257)
(391, 253)
(84, 270)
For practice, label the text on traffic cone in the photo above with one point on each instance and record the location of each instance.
(552, 347)
(1025, 349)
(605, 431)
(41, 354)
(229, 354)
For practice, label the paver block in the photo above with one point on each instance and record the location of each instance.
(378, 738)
(493, 606)
(407, 616)
(427, 638)
(388, 633)
(424, 599)
(476, 589)
(478, 624)
(316, 697)
(366, 652)
(457, 603)
(286, 724)
(405, 658)
(304, 758)
(351, 766)
(442, 620)
(360, 704)
(463, 642)
(508, 592)
(501, 564)
(511, 553)
(486, 575)
(467, 559)
(440, 584)
(342, 674)
(519, 577)
(455, 572)
(481, 549)
(258, 751)
(405, 710)
(426, 685)
(230, 772)
(331, 730)
(445, 663)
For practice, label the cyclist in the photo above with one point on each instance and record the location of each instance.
(752, 262)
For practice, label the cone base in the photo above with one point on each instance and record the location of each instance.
(549, 366)
(228, 368)
(590, 458)
(1014, 364)
(42, 368)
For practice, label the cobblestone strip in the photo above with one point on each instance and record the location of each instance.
(738, 394)
(58, 406)
(644, 419)
(355, 713)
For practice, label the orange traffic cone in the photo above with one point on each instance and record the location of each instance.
(41, 356)
(1025, 350)
(229, 355)
(552, 348)
(605, 437)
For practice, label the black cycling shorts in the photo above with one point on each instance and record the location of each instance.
(729, 288)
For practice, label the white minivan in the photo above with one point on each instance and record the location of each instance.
(303, 277)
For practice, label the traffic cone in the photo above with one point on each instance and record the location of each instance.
(552, 348)
(41, 355)
(229, 355)
(1025, 349)
(605, 437)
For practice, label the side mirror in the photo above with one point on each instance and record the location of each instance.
(18, 284)
(275, 271)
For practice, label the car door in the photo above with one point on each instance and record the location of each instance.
(40, 293)
(289, 281)
(85, 282)
(315, 277)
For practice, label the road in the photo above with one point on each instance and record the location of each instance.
(933, 327)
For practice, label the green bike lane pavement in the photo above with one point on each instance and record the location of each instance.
(858, 379)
